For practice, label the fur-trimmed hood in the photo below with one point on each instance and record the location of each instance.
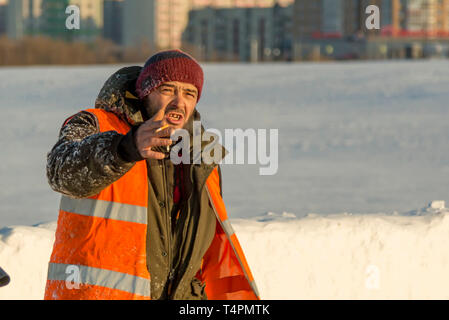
(118, 95)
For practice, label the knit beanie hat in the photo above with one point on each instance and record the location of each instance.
(171, 65)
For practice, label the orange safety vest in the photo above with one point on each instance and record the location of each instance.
(100, 242)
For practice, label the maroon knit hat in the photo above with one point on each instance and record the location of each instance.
(171, 65)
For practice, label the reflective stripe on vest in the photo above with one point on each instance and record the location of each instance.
(104, 209)
(227, 227)
(98, 277)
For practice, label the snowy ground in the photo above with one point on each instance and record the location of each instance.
(366, 139)
(316, 257)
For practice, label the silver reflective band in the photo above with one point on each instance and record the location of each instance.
(101, 277)
(228, 227)
(105, 209)
(254, 287)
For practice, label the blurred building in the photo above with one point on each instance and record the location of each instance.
(197, 4)
(113, 20)
(138, 22)
(429, 18)
(240, 34)
(329, 18)
(156, 22)
(32, 12)
(162, 22)
(90, 10)
(48, 17)
(3, 8)
(14, 12)
(91, 25)
(53, 19)
(336, 28)
(23, 17)
(340, 18)
(414, 28)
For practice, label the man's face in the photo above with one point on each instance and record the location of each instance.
(175, 101)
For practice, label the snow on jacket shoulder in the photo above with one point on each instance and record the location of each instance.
(84, 161)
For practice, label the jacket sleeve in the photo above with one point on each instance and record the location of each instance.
(84, 160)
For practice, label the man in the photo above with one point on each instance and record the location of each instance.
(132, 224)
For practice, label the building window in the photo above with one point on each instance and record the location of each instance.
(236, 37)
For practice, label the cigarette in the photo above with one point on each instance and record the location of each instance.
(162, 128)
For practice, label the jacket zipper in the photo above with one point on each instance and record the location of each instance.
(169, 233)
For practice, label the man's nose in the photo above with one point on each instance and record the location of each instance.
(179, 99)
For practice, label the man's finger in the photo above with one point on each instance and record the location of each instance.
(165, 132)
(156, 142)
(150, 154)
(155, 121)
(151, 125)
(158, 116)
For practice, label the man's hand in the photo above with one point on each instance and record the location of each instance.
(147, 137)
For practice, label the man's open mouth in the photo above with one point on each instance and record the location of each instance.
(174, 118)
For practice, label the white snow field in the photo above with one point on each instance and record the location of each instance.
(362, 145)
(338, 256)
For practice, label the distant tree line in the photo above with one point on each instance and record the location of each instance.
(41, 50)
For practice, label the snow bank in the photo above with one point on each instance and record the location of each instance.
(24, 255)
(339, 256)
